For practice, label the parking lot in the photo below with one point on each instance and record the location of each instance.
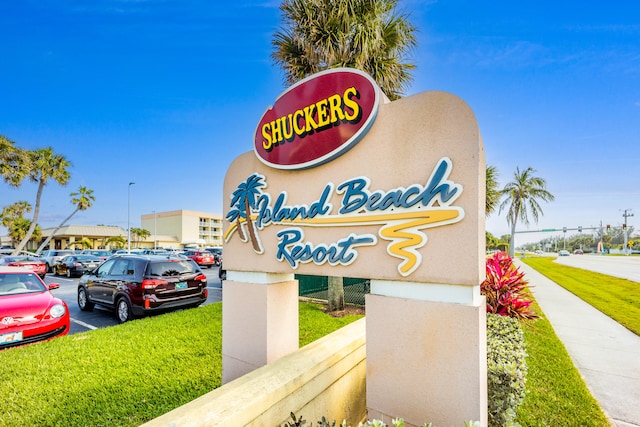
(100, 317)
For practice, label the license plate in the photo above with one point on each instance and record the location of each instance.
(9, 338)
(181, 285)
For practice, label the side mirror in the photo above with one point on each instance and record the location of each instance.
(53, 286)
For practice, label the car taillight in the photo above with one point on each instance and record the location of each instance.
(77, 264)
(152, 284)
(201, 277)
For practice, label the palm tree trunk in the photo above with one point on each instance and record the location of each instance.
(335, 293)
(48, 239)
(512, 240)
(34, 221)
(251, 229)
(512, 249)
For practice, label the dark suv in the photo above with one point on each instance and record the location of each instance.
(135, 285)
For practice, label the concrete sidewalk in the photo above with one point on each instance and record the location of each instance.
(606, 353)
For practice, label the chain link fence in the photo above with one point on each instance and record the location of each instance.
(317, 287)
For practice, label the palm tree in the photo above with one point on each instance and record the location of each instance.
(522, 196)
(84, 242)
(493, 193)
(368, 35)
(365, 34)
(13, 212)
(140, 234)
(18, 230)
(244, 198)
(118, 241)
(82, 199)
(13, 164)
(44, 165)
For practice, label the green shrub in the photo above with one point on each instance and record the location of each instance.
(506, 369)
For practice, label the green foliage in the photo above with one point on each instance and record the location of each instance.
(370, 35)
(506, 368)
(506, 289)
(14, 164)
(116, 241)
(139, 234)
(492, 197)
(521, 197)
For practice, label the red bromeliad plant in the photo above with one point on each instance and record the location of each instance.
(506, 288)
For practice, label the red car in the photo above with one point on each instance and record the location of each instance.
(28, 310)
(32, 262)
(202, 258)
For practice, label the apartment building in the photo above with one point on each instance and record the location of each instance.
(191, 228)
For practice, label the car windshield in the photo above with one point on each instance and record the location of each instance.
(101, 253)
(20, 283)
(87, 258)
(171, 268)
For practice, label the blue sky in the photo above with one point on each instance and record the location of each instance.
(166, 93)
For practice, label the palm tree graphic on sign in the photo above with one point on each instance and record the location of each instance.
(243, 200)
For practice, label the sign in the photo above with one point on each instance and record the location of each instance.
(400, 214)
(393, 206)
(317, 119)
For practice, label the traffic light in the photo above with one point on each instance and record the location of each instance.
(624, 226)
(579, 229)
(564, 229)
(608, 228)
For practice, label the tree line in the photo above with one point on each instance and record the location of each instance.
(41, 167)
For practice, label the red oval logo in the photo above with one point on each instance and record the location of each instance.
(317, 119)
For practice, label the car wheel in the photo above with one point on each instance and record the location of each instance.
(123, 310)
(49, 269)
(68, 272)
(83, 300)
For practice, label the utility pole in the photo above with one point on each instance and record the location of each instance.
(626, 215)
(601, 245)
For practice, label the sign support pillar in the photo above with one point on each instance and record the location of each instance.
(259, 321)
(426, 359)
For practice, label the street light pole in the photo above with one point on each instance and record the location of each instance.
(155, 235)
(129, 217)
(626, 215)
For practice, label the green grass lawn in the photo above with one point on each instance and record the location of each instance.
(128, 374)
(615, 297)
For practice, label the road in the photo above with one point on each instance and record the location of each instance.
(626, 267)
(82, 321)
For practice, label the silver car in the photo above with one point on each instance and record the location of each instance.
(51, 256)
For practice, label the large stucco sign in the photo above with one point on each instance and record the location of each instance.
(342, 182)
(339, 179)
